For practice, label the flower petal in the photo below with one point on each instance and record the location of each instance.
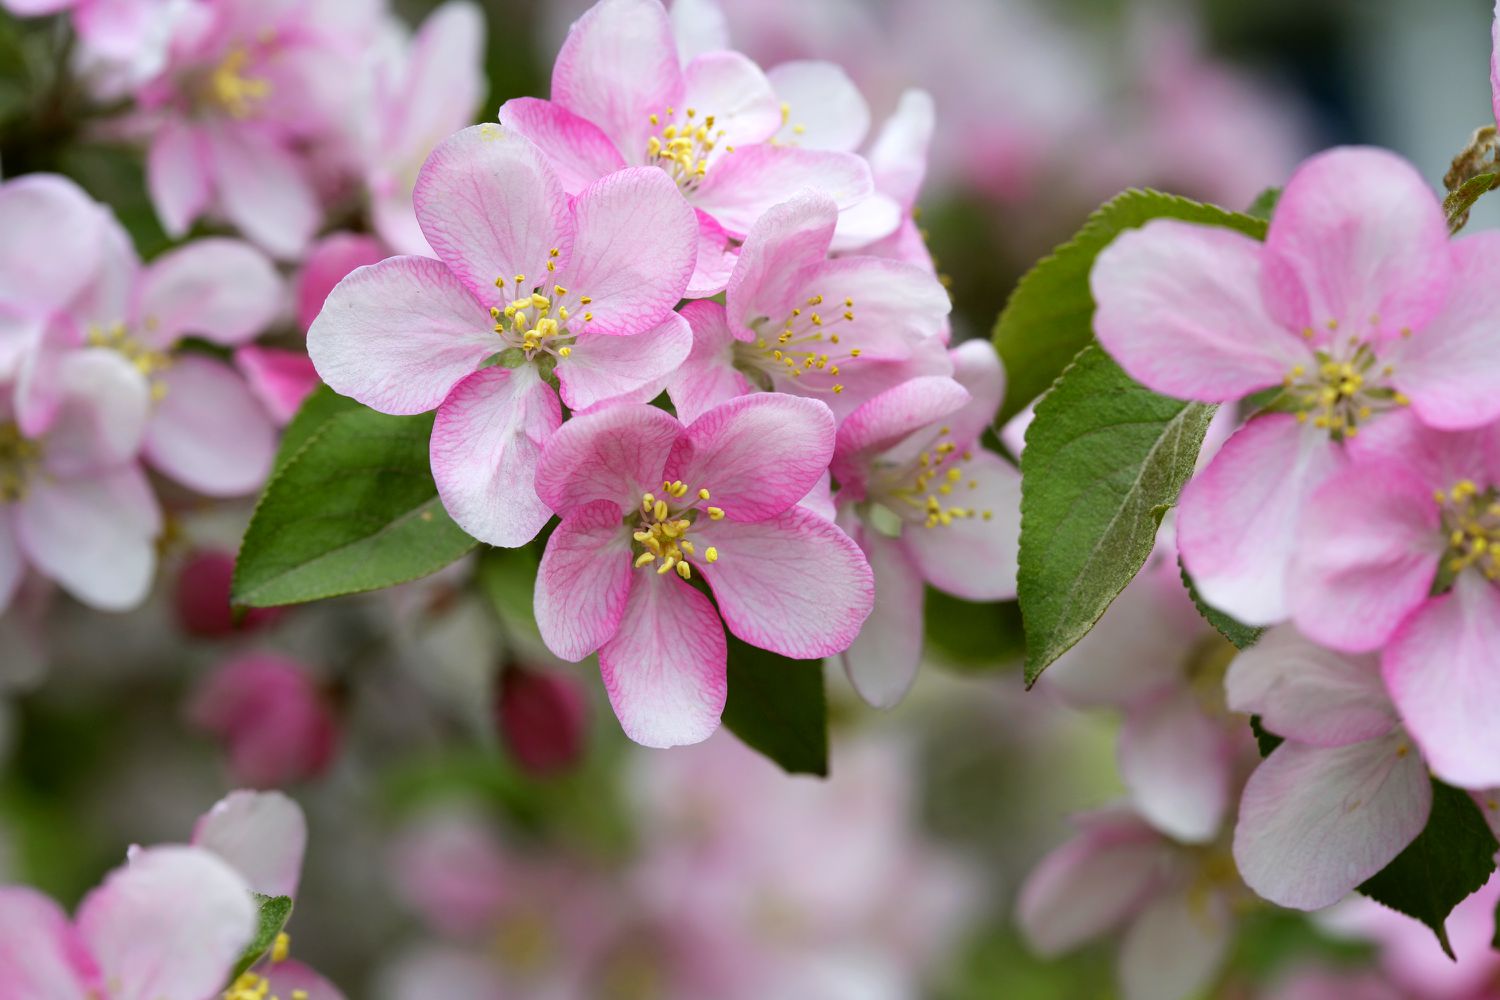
(56, 244)
(707, 376)
(1237, 519)
(664, 669)
(1440, 670)
(1446, 368)
(732, 89)
(262, 835)
(225, 291)
(698, 26)
(896, 306)
(209, 432)
(169, 925)
(756, 454)
(292, 978)
(618, 66)
(280, 379)
(1175, 947)
(1176, 762)
(398, 335)
(616, 453)
(1357, 239)
(634, 249)
(576, 148)
(1307, 693)
(717, 256)
(898, 158)
(95, 537)
(794, 584)
(742, 185)
(491, 207)
(974, 556)
(976, 367)
(100, 419)
(486, 443)
(1180, 308)
(327, 263)
(41, 955)
(177, 176)
(825, 110)
(584, 580)
(1367, 552)
(785, 247)
(1089, 884)
(604, 368)
(882, 662)
(1317, 821)
(890, 419)
(264, 190)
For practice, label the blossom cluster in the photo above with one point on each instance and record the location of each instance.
(670, 227)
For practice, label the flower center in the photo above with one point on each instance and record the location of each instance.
(664, 525)
(1471, 525)
(19, 458)
(254, 986)
(923, 490)
(233, 90)
(535, 325)
(148, 361)
(684, 148)
(1342, 389)
(808, 343)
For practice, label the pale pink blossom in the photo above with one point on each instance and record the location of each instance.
(623, 95)
(646, 504)
(245, 89)
(428, 90)
(796, 321)
(1394, 554)
(74, 505)
(581, 289)
(1343, 794)
(275, 721)
(169, 925)
(928, 504)
(1356, 303)
(1175, 905)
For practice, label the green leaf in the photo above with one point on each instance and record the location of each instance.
(320, 406)
(275, 911)
(1049, 317)
(1264, 204)
(1237, 632)
(354, 509)
(776, 705)
(972, 636)
(1104, 461)
(1450, 859)
(1458, 203)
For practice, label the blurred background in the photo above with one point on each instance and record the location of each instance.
(480, 827)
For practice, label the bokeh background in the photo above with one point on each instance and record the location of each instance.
(447, 847)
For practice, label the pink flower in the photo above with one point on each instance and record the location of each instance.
(1356, 303)
(280, 379)
(581, 288)
(898, 162)
(543, 719)
(796, 321)
(927, 504)
(645, 504)
(621, 95)
(275, 722)
(201, 598)
(1175, 904)
(1414, 515)
(422, 95)
(73, 503)
(246, 86)
(169, 924)
(1343, 794)
(329, 261)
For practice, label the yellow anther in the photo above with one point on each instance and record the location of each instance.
(715, 513)
(645, 558)
(685, 571)
(666, 566)
(703, 494)
(711, 554)
(660, 510)
(281, 947)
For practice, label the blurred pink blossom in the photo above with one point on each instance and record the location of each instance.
(543, 719)
(277, 725)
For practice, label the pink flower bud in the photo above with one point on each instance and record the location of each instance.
(542, 719)
(202, 598)
(277, 726)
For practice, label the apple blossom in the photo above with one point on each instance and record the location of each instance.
(647, 504)
(1356, 304)
(621, 95)
(1343, 794)
(276, 724)
(795, 321)
(543, 719)
(581, 289)
(928, 504)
